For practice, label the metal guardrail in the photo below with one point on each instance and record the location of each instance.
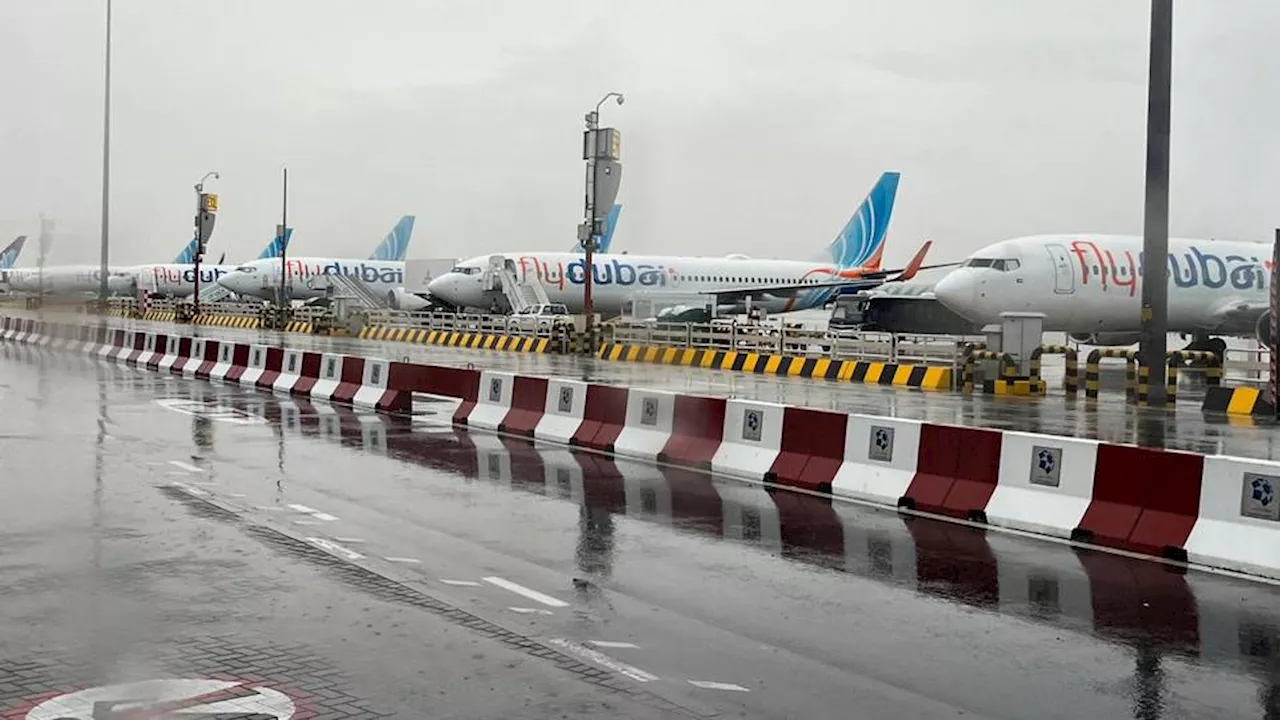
(780, 339)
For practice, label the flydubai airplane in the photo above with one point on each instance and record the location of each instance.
(1089, 286)
(307, 275)
(382, 272)
(850, 262)
(66, 279)
(178, 279)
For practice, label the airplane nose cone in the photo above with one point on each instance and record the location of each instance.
(227, 281)
(956, 292)
(442, 287)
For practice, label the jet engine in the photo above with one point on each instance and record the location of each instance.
(398, 299)
(1262, 330)
(1106, 339)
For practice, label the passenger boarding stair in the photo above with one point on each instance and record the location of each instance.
(502, 275)
(213, 292)
(356, 290)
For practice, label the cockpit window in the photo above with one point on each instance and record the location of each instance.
(247, 269)
(1003, 265)
(464, 270)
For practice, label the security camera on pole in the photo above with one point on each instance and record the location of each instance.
(206, 214)
(601, 148)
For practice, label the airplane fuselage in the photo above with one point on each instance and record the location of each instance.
(306, 276)
(619, 278)
(1093, 283)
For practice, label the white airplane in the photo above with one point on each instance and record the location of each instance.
(308, 276)
(178, 279)
(383, 272)
(70, 279)
(1089, 286)
(850, 262)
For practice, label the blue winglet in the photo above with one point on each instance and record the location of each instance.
(273, 248)
(188, 254)
(610, 224)
(396, 243)
(9, 256)
(861, 242)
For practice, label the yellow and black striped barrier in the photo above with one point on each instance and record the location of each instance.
(1009, 382)
(473, 341)
(1212, 370)
(1071, 369)
(870, 373)
(1237, 401)
(159, 315)
(1091, 372)
(248, 322)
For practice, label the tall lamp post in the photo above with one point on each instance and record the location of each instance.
(601, 149)
(103, 289)
(203, 213)
(1155, 226)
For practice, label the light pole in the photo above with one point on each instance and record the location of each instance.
(595, 147)
(1155, 230)
(103, 289)
(200, 236)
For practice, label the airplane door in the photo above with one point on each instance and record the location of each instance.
(1064, 279)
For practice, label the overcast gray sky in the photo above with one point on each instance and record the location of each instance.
(753, 126)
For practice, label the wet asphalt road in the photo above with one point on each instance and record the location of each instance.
(1109, 419)
(115, 567)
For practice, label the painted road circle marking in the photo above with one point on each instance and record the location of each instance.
(217, 413)
(169, 698)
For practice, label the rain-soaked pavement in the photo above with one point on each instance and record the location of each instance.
(299, 558)
(1109, 419)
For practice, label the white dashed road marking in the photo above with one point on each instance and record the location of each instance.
(612, 644)
(461, 583)
(710, 685)
(603, 660)
(186, 466)
(335, 548)
(518, 589)
(409, 561)
(530, 611)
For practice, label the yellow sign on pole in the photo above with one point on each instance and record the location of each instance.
(209, 202)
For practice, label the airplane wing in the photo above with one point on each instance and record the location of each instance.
(1236, 316)
(863, 281)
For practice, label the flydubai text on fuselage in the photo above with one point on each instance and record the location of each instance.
(1092, 283)
(616, 278)
(261, 278)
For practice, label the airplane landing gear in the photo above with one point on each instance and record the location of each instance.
(1207, 343)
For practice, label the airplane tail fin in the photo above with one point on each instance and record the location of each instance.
(274, 248)
(222, 258)
(610, 223)
(9, 256)
(188, 254)
(396, 243)
(861, 242)
(914, 266)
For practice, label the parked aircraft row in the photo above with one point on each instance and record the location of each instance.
(1086, 285)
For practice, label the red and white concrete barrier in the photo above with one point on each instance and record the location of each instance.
(751, 439)
(881, 456)
(1239, 520)
(647, 425)
(562, 413)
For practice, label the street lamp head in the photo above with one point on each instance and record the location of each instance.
(620, 98)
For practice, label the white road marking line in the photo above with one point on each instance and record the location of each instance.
(522, 590)
(603, 660)
(334, 547)
(312, 512)
(306, 522)
(349, 540)
(530, 611)
(186, 466)
(236, 495)
(612, 644)
(461, 583)
(710, 685)
(269, 508)
(411, 561)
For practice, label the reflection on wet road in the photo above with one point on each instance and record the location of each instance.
(716, 596)
(1110, 419)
